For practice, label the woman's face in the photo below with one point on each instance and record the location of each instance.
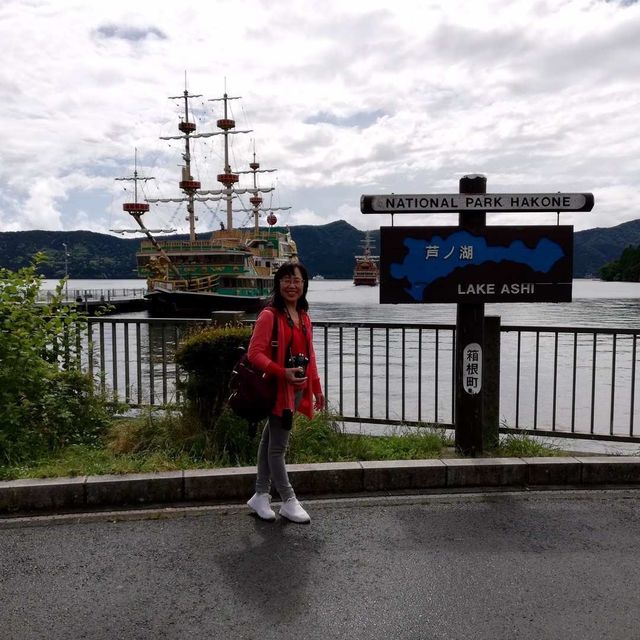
(292, 286)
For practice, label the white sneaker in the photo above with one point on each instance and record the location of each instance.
(261, 504)
(292, 510)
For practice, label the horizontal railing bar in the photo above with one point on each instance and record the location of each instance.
(383, 325)
(118, 319)
(393, 422)
(506, 430)
(570, 330)
(573, 435)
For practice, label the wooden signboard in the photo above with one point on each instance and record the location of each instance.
(494, 264)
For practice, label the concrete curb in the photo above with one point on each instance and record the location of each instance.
(223, 485)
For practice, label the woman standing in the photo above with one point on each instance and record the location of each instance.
(298, 385)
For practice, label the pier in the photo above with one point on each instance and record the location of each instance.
(92, 300)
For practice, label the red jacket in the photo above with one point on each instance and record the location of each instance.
(260, 357)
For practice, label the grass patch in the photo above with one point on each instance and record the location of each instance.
(171, 441)
(520, 445)
(321, 440)
(80, 460)
(168, 431)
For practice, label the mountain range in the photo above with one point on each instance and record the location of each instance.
(325, 249)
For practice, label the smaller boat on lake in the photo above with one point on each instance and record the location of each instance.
(366, 269)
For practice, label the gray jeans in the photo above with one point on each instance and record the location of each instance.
(271, 452)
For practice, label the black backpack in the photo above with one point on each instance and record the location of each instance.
(252, 393)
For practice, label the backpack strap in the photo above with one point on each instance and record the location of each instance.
(274, 335)
(288, 352)
(303, 324)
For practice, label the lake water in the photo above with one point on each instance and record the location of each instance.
(595, 304)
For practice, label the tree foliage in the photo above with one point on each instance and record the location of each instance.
(626, 268)
(46, 402)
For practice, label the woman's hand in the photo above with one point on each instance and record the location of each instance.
(295, 377)
(318, 405)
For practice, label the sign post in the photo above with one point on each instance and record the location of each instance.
(469, 394)
(472, 264)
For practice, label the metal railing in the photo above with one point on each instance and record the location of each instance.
(571, 381)
(561, 381)
(391, 373)
(135, 359)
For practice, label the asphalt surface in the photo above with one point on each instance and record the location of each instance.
(534, 564)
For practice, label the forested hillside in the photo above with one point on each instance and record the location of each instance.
(593, 248)
(326, 249)
(90, 255)
(330, 249)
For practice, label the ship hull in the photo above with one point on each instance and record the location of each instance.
(370, 281)
(198, 304)
(365, 273)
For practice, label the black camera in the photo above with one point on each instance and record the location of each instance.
(298, 361)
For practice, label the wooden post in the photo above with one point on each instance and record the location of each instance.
(469, 418)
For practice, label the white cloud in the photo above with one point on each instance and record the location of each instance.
(361, 97)
(306, 216)
(41, 206)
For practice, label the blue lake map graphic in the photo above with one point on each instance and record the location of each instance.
(429, 260)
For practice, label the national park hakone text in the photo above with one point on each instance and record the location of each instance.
(487, 201)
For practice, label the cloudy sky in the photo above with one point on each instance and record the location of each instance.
(344, 98)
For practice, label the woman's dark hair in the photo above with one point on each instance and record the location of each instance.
(289, 269)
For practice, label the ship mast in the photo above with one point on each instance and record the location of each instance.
(256, 199)
(138, 209)
(188, 185)
(228, 178)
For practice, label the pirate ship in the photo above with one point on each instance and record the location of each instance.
(229, 268)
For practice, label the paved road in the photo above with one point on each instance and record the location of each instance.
(499, 565)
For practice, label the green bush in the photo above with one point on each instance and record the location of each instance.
(46, 402)
(208, 357)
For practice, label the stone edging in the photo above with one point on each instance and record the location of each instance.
(221, 485)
